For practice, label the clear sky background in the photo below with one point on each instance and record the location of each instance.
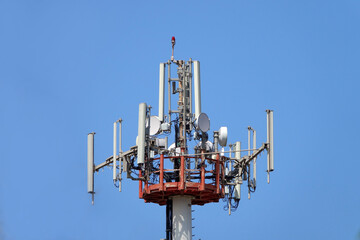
(68, 68)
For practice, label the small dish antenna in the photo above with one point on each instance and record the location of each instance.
(155, 125)
(223, 133)
(202, 122)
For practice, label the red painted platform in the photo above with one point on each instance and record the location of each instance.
(202, 193)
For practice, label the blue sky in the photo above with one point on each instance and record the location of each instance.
(72, 67)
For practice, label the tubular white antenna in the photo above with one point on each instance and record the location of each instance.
(230, 161)
(237, 151)
(254, 161)
(90, 165)
(120, 154)
(237, 191)
(161, 91)
(197, 88)
(190, 92)
(114, 151)
(223, 133)
(166, 142)
(270, 139)
(141, 134)
(250, 150)
(120, 135)
(169, 91)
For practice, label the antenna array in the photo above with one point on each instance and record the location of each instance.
(185, 173)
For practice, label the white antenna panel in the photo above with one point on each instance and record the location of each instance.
(197, 88)
(223, 133)
(90, 163)
(141, 133)
(155, 125)
(161, 91)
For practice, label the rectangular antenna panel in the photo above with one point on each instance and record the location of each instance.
(90, 162)
(161, 91)
(254, 161)
(114, 151)
(270, 140)
(237, 191)
(197, 88)
(141, 133)
(237, 151)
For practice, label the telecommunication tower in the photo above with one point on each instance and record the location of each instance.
(191, 171)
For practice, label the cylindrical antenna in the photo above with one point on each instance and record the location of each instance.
(120, 154)
(270, 138)
(249, 153)
(120, 135)
(237, 191)
(141, 134)
(254, 161)
(125, 163)
(161, 91)
(249, 139)
(169, 91)
(190, 92)
(197, 88)
(90, 164)
(237, 151)
(114, 151)
(216, 140)
(230, 161)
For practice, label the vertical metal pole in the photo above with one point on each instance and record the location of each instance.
(202, 171)
(182, 171)
(161, 176)
(217, 172)
(114, 152)
(169, 219)
(140, 186)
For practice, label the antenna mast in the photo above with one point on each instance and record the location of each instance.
(183, 174)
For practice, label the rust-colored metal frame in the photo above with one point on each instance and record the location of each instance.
(202, 192)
